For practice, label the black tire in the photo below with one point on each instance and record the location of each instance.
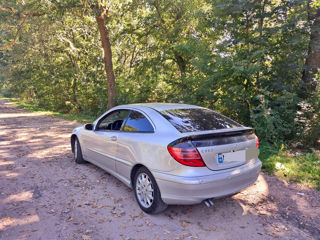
(156, 205)
(77, 153)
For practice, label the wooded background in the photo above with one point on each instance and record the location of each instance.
(256, 61)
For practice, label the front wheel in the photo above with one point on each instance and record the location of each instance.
(77, 153)
(147, 192)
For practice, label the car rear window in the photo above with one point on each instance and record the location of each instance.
(197, 119)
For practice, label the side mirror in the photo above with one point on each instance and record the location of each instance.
(88, 126)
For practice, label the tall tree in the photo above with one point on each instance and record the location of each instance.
(312, 63)
(101, 19)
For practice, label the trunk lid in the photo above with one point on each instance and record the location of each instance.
(226, 149)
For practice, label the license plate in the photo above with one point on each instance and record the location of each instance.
(231, 157)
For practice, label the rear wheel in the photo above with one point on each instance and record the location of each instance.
(147, 192)
(77, 153)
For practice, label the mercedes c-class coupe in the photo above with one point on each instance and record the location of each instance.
(170, 153)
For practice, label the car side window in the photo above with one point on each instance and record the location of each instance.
(137, 122)
(113, 121)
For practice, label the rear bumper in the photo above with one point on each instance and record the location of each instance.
(191, 190)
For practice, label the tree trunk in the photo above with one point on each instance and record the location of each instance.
(105, 41)
(312, 63)
(181, 64)
(74, 82)
(261, 22)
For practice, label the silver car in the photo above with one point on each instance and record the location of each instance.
(170, 153)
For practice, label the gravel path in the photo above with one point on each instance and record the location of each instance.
(45, 195)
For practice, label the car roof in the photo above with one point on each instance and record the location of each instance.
(161, 106)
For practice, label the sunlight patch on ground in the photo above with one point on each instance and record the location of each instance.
(19, 197)
(9, 174)
(3, 163)
(13, 115)
(256, 192)
(262, 186)
(12, 222)
(244, 209)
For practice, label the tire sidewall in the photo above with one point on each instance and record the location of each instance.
(79, 159)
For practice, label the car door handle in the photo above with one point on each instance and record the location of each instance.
(113, 138)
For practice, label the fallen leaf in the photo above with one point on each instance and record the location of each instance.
(86, 237)
(184, 223)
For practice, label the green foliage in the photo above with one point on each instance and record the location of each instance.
(308, 119)
(273, 116)
(242, 58)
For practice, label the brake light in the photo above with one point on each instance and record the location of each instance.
(257, 142)
(186, 154)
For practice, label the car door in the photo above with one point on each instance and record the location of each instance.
(135, 132)
(103, 147)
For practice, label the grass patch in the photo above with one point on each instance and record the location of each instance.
(32, 108)
(302, 167)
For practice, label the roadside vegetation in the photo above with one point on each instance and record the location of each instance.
(255, 61)
(291, 164)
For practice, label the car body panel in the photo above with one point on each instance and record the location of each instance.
(103, 149)
(189, 184)
(177, 189)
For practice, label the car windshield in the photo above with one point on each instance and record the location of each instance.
(197, 119)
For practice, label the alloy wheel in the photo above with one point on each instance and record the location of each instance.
(144, 190)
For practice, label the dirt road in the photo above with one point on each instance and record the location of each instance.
(45, 195)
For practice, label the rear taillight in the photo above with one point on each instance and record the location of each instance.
(257, 142)
(186, 154)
